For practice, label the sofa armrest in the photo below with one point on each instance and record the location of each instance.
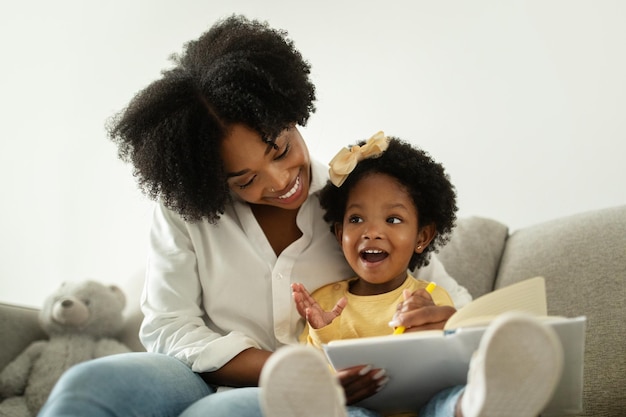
(19, 327)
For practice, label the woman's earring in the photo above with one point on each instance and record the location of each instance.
(419, 247)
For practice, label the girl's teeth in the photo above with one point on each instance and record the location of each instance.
(373, 255)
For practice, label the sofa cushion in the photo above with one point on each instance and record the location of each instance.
(583, 259)
(473, 254)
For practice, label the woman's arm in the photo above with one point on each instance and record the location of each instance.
(174, 303)
(241, 371)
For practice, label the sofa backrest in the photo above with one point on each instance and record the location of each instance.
(472, 256)
(583, 259)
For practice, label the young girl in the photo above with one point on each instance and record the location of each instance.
(395, 208)
(215, 142)
(390, 206)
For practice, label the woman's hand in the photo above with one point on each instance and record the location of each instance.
(310, 310)
(360, 382)
(419, 312)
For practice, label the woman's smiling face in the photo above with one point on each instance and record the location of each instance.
(261, 173)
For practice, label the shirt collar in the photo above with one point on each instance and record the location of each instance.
(319, 176)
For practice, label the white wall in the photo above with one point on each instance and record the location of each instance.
(523, 101)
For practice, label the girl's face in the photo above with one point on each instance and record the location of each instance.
(262, 174)
(380, 232)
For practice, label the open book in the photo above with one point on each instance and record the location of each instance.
(528, 296)
(420, 364)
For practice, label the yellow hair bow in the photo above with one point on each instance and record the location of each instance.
(344, 162)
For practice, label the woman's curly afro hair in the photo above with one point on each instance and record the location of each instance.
(239, 71)
(425, 180)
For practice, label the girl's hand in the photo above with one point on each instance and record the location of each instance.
(309, 309)
(419, 312)
(360, 382)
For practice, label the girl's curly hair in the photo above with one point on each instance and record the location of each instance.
(239, 71)
(425, 180)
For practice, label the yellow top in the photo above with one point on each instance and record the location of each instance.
(365, 315)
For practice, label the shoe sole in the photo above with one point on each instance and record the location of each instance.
(523, 360)
(296, 381)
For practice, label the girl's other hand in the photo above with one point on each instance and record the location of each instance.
(418, 312)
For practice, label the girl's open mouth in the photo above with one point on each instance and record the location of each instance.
(373, 255)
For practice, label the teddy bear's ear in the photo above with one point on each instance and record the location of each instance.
(118, 293)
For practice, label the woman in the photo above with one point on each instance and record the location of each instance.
(237, 220)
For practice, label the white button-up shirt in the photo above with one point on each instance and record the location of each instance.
(214, 290)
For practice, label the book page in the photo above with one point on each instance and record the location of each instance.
(528, 296)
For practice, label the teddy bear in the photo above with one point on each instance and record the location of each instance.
(81, 320)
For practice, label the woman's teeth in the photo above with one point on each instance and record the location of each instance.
(293, 189)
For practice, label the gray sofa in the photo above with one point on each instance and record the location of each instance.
(582, 257)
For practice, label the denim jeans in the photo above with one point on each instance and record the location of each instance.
(147, 384)
(443, 403)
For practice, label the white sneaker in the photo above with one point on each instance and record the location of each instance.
(296, 381)
(515, 369)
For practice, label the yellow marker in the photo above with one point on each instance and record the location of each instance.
(429, 288)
